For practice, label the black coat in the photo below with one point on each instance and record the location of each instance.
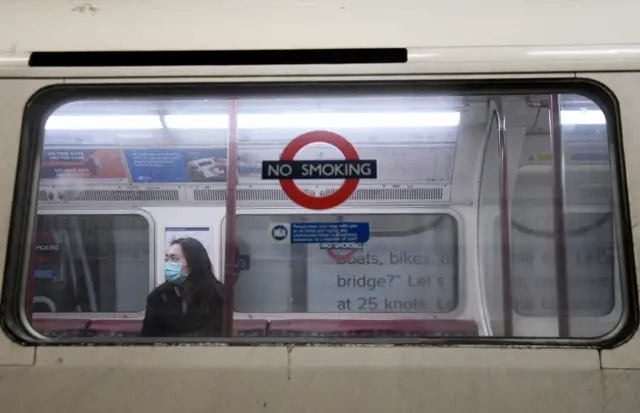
(168, 315)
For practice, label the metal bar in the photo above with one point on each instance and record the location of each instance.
(31, 285)
(64, 240)
(298, 298)
(230, 270)
(562, 290)
(505, 224)
(91, 291)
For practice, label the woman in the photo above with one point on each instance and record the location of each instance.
(190, 302)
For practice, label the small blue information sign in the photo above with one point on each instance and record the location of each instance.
(330, 235)
(590, 157)
(45, 274)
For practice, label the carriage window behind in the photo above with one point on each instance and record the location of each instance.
(91, 264)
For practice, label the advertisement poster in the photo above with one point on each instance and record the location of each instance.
(164, 165)
(62, 165)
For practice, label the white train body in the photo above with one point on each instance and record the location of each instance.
(304, 340)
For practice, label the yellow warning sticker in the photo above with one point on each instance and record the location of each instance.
(540, 157)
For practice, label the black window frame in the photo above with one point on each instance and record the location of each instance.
(49, 98)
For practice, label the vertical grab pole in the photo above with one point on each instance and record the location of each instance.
(230, 230)
(505, 224)
(31, 285)
(562, 295)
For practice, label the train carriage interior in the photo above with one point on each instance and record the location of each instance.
(492, 214)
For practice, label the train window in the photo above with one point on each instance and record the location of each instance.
(409, 265)
(86, 263)
(488, 215)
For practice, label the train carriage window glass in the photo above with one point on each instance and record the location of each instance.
(494, 214)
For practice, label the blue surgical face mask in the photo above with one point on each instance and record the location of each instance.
(173, 272)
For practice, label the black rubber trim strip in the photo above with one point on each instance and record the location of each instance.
(217, 58)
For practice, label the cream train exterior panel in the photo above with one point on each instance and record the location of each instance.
(290, 24)
(319, 379)
(13, 91)
(480, 63)
(313, 380)
(628, 355)
(297, 378)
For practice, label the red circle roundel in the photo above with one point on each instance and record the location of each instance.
(341, 258)
(322, 202)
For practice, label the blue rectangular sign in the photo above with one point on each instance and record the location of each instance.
(329, 232)
(45, 274)
(164, 165)
(590, 157)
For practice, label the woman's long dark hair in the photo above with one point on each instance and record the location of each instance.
(201, 288)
